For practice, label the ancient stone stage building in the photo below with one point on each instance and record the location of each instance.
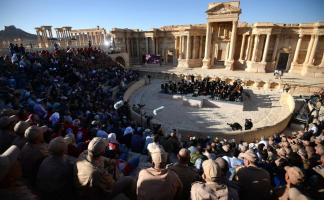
(97, 36)
(44, 34)
(68, 37)
(225, 42)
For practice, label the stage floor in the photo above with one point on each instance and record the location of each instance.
(287, 78)
(263, 107)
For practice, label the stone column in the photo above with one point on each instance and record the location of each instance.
(77, 36)
(50, 33)
(183, 47)
(201, 46)
(126, 45)
(137, 48)
(322, 62)
(176, 49)
(275, 50)
(180, 47)
(80, 39)
(309, 49)
(157, 46)
(206, 60)
(59, 32)
(45, 34)
(242, 47)
(165, 51)
(194, 47)
(188, 52)
(99, 38)
(153, 45)
(102, 38)
(228, 46)
(266, 47)
(96, 38)
(233, 41)
(83, 39)
(56, 34)
(130, 42)
(93, 39)
(311, 58)
(129, 48)
(248, 49)
(300, 38)
(146, 45)
(86, 38)
(62, 34)
(67, 34)
(256, 42)
(75, 42)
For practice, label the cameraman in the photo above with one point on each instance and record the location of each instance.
(248, 124)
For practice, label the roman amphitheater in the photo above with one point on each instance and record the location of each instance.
(222, 49)
(219, 110)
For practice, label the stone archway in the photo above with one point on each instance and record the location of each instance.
(285, 60)
(120, 60)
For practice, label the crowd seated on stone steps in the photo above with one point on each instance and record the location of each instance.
(61, 138)
(39, 161)
(216, 89)
(66, 92)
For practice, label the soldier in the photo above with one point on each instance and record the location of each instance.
(213, 187)
(157, 182)
(186, 173)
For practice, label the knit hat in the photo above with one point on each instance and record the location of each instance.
(57, 146)
(102, 134)
(96, 146)
(21, 127)
(33, 132)
(295, 175)
(158, 156)
(7, 159)
(112, 138)
(6, 121)
(128, 130)
(69, 138)
(54, 118)
(211, 169)
(248, 155)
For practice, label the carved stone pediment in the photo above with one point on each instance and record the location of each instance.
(222, 9)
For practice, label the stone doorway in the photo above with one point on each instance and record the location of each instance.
(282, 61)
(219, 55)
(120, 60)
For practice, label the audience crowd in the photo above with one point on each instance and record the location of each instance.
(62, 138)
(215, 89)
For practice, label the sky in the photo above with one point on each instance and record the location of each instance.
(146, 14)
